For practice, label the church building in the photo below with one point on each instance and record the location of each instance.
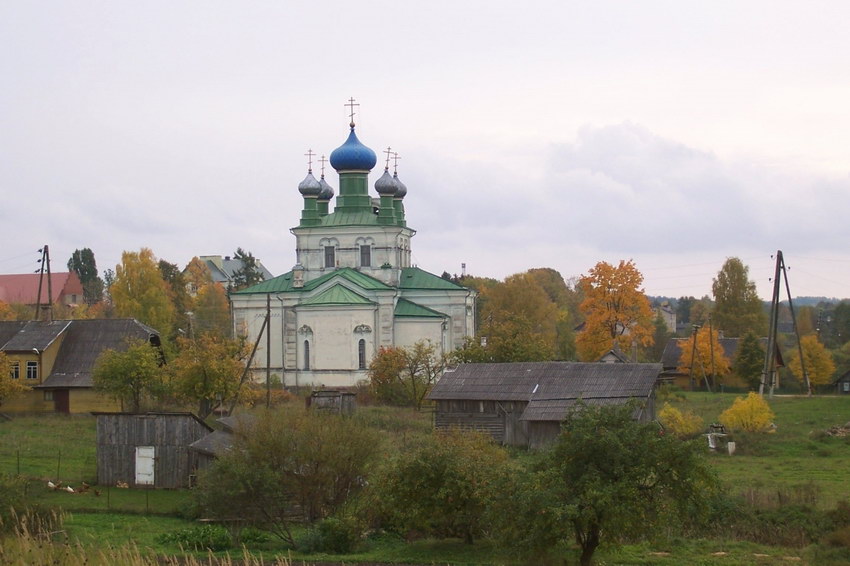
(353, 288)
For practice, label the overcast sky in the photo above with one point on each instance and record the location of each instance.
(531, 134)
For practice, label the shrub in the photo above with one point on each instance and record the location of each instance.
(207, 537)
(679, 424)
(752, 414)
(332, 535)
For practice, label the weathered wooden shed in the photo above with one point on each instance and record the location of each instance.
(147, 449)
(523, 404)
(333, 401)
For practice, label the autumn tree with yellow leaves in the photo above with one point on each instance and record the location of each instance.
(818, 360)
(707, 360)
(615, 308)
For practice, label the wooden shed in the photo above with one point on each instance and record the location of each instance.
(332, 401)
(147, 449)
(523, 404)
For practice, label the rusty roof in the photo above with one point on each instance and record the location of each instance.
(23, 288)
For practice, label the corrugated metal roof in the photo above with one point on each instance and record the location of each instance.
(415, 278)
(673, 350)
(35, 335)
(405, 308)
(525, 381)
(84, 341)
(337, 295)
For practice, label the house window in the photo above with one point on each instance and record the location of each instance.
(32, 370)
(846, 386)
(48, 395)
(330, 256)
(306, 354)
(361, 354)
(365, 256)
(15, 370)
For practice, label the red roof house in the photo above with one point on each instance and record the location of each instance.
(23, 288)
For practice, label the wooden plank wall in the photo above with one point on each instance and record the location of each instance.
(118, 435)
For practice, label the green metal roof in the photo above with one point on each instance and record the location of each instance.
(405, 308)
(415, 278)
(283, 283)
(337, 295)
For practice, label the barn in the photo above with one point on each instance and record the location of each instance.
(147, 449)
(523, 404)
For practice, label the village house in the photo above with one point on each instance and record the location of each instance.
(524, 403)
(56, 359)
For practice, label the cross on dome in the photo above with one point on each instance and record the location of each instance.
(389, 152)
(323, 160)
(309, 156)
(351, 104)
(395, 162)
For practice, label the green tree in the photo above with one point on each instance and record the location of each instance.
(749, 360)
(82, 263)
(178, 294)
(818, 361)
(208, 371)
(140, 292)
(737, 307)
(9, 387)
(130, 375)
(615, 308)
(406, 375)
(286, 466)
(444, 485)
(249, 274)
(607, 475)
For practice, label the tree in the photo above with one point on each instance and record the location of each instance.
(82, 263)
(211, 311)
(749, 360)
(288, 464)
(680, 424)
(750, 414)
(444, 485)
(707, 360)
(737, 307)
(406, 375)
(7, 312)
(247, 275)
(131, 375)
(178, 294)
(9, 387)
(140, 292)
(615, 308)
(606, 475)
(197, 274)
(208, 371)
(818, 361)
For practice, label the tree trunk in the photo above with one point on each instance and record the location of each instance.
(588, 545)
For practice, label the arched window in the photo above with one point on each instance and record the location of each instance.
(306, 354)
(361, 354)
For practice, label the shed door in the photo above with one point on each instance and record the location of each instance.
(145, 465)
(61, 401)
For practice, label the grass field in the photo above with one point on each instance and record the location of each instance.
(797, 461)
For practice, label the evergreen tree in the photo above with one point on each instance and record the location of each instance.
(82, 263)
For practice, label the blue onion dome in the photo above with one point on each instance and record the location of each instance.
(400, 188)
(309, 187)
(385, 185)
(327, 192)
(353, 155)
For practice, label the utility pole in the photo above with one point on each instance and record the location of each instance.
(45, 262)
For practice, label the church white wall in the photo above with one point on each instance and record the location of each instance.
(409, 331)
(335, 336)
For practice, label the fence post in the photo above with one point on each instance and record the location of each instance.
(58, 463)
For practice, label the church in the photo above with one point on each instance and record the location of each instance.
(353, 288)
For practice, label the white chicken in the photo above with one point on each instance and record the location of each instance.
(69, 489)
(51, 485)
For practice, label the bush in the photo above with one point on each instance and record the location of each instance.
(752, 414)
(207, 537)
(681, 425)
(333, 535)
